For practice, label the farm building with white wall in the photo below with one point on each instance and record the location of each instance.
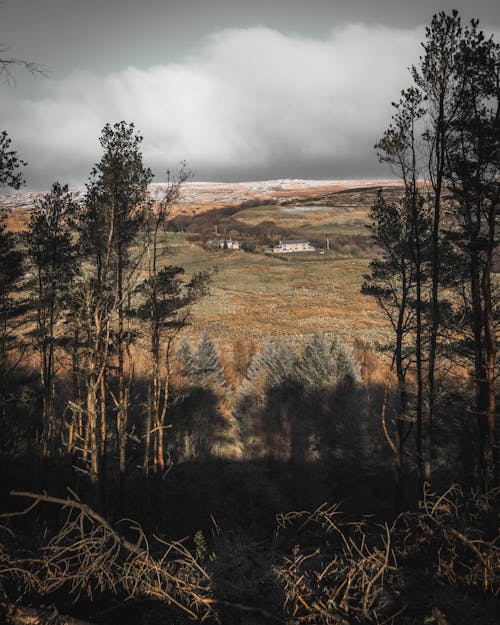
(285, 247)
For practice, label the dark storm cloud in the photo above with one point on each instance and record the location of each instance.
(108, 35)
(252, 102)
(306, 95)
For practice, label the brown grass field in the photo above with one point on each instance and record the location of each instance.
(255, 295)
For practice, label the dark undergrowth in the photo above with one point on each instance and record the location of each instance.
(229, 545)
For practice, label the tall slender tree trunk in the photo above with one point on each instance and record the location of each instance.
(437, 183)
(492, 452)
(147, 432)
(416, 252)
(403, 398)
(91, 437)
(418, 358)
(480, 384)
(122, 391)
(103, 442)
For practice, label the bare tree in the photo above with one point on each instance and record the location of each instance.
(166, 305)
(9, 63)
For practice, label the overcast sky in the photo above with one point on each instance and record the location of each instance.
(241, 90)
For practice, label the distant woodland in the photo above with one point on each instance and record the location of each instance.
(148, 475)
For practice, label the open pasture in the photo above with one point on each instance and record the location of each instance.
(256, 295)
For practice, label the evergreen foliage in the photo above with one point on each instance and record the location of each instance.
(435, 278)
(52, 255)
(307, 404)
(185, 357)
(12, 307)
(205, 362)
(117, 192)
(347, 368)
(276, 363)
(51, 252)
(98, 399)
(321, 364)
(10, 163)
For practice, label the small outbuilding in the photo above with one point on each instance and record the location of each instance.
(225, 244)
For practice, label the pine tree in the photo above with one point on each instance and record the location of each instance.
(116, 208)
(52, 256)
(11, 272)
(473, 172)
(347, 368)
(185, 357)
(12, 308)
(10, 163)
(441, 86)
(317, 367)
(206, 363)
(275, 363)
(166, 303)
(446, 131)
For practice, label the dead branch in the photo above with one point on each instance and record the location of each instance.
(346, 578)
(84, 508)
(344, 572)
(7, 64)
(87, 555)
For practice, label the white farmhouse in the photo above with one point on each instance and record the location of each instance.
(298, 245)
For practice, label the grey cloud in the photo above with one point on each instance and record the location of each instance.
(251, 103)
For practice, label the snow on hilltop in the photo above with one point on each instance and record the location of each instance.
(200, 196)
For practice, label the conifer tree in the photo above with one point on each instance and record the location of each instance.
(473, 173)
(11, 272)
(116, 208)
(347, 368)
(441, 85)
(206, 362)
(185, 357)
(166, 306)
(316, 368)
(52, 255)
(166, 300)
(11, 309)
(445, 131)
(10, 163)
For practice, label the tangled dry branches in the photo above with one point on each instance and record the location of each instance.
(322, 568)
(88, 555)
(364, 573)
(344, 576)
(461, 531)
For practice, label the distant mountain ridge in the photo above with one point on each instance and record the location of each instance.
(198, 197)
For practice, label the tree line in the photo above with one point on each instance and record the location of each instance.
(72, 285)
(102, 392)
(435, 276)
(87, 287)
(94, 354)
